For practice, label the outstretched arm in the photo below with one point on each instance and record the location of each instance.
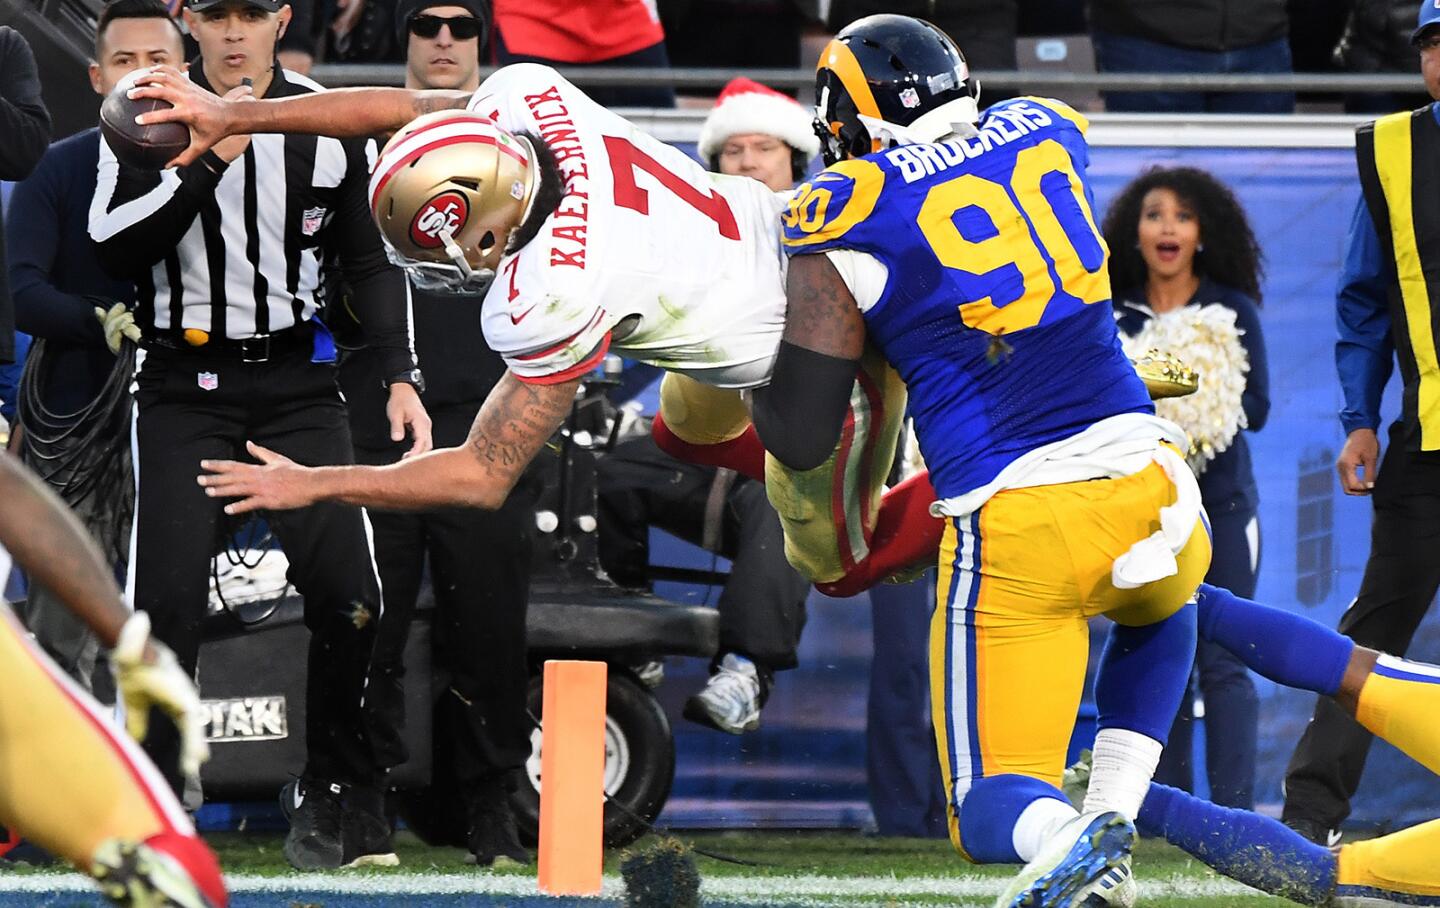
(514, 423)
(800, 414)
(342, 113)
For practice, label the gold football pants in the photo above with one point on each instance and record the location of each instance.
(827, 513)
(69, 778)
(1009, 638)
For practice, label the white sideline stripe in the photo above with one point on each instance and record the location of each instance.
(795, 888)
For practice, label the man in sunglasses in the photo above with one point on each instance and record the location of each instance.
(443, 42)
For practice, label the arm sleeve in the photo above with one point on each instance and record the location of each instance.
(801, 413)
(33, 246)
(1365, 350)
(24, 121)
(379, 294)
(139, 216)
(1256, 399)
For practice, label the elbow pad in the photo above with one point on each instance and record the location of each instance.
(800, 414)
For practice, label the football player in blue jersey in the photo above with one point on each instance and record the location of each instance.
(964, 249)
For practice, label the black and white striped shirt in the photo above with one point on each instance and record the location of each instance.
(236, 249)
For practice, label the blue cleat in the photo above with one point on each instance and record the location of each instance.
(1083, 865)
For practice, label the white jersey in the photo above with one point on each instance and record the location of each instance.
(643, 231)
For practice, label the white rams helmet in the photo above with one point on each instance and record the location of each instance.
(447, 192)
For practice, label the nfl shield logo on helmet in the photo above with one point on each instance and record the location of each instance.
(910, 98)
(208, 381)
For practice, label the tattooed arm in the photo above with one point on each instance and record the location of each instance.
(514, 423)
(799, 415)
(342, 113)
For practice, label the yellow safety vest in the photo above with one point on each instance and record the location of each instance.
(1399, 158)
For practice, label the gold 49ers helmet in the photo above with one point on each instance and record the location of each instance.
(891, 80)
(447, 192)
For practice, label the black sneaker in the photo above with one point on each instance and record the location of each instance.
(492, 838)
(314, 810)
(369, 840)
(1316, 832)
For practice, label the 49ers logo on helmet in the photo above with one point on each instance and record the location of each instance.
(447, 211)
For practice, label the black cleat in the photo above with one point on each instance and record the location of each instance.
(492, 837)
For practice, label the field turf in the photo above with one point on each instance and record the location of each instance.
(787, 869)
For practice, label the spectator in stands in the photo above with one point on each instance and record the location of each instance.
(25, 124)
(1205, 36)
(1182, 252)
(479, 560)
(1385, 313)
(756, 132)
(78, 315)
(1377, 40)
(587, 33)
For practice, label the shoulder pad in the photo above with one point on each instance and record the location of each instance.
(1061, 109)
(838, 198)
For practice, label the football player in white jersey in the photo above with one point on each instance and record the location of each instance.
(600, 238)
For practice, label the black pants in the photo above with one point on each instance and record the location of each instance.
(1400, 581)
(762, 608)
(1232, 708)
(480, 573)
(292, 406)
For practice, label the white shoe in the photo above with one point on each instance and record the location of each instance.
(1086, 863)
(730, 700)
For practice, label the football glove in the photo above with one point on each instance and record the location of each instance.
(117, 322)
(158, 681)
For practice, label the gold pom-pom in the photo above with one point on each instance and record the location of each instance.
(1206, 339)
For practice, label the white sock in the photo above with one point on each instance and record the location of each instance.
(1037, 823)
(1124, 762)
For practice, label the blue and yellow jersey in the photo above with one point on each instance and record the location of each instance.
(996, 309)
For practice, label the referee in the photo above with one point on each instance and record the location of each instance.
(227, 255)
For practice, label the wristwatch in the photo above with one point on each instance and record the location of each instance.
(408, 377)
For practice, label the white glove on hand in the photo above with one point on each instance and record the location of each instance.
(117, 322)
(160, 682)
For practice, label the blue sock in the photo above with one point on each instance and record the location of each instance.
(1245, 846)
(991, 809)
(1288, 649)
(1143, 673)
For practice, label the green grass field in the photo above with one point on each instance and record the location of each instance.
(789, 869)
(800, 868)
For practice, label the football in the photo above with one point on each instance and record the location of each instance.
(145, 147)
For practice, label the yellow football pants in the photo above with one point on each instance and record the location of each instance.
(827, 513)
(69, 779)
(1009, 639)
(1402, 862)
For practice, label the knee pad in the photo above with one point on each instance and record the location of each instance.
(989, 812)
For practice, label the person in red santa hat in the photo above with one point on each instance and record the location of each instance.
(755, 131)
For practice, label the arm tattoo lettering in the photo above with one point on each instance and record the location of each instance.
(515, 422)
(427, 102)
